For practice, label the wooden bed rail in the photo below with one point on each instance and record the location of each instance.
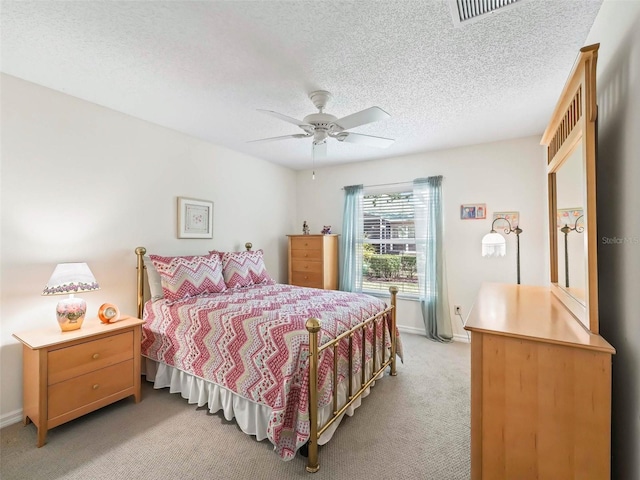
(313, 327)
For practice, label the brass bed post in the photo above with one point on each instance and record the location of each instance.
(313, 327)
(140, 252)
(394, 292)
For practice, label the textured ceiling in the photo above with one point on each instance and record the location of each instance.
(203, 68)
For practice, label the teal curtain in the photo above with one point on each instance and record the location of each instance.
(430, 258)
(351, 240)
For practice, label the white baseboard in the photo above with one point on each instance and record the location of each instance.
(10, 418)
(461, 337)
(418, 331)
(458, 337)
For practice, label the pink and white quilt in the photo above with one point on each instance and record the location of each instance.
(253, 341)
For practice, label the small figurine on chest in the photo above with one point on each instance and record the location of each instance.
(305, 228)
(326, 230)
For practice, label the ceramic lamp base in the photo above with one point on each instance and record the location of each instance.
(70, 313)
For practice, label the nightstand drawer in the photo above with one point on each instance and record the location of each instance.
(80, 391)
(306, 266)
(306, 243)
(313, 280)
(69, 362)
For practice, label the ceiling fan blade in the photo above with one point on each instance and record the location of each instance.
(320, 150)
(361, 139)
(299, 123)
(271, 139)
(369, 115)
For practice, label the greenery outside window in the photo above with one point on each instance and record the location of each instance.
(389, 247)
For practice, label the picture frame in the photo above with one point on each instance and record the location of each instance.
(473, 211)
(570, 216)
(195, 218)
(512, 217)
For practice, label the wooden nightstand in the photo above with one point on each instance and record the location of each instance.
(68, 374)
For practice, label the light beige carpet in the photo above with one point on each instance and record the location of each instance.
(413, 426)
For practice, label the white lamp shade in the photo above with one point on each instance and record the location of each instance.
(70, 278)
(494, 245)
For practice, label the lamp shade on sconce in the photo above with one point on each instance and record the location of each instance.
(71, 278)
(494, 245)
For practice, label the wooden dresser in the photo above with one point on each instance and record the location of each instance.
(313, 261)
(540, 389)
(69, 374)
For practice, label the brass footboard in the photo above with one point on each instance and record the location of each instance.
(313, 327)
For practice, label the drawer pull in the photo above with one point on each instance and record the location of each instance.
(95, 356)
(306, 278)
(306, 254)
(96, 386)
(306, 244)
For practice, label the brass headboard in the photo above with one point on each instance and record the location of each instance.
(140, 253)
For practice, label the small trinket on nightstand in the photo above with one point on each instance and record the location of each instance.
(305, 228)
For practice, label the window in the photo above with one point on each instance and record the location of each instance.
(389, 247)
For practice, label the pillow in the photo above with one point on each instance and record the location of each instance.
(243, 269)
(155, 285)
(187, 276)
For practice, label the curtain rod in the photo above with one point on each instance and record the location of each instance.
(409, 182)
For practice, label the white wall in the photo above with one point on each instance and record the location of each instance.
(507, 176)
(84, 183)
(617, 29)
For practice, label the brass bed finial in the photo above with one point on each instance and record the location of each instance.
(248, 246)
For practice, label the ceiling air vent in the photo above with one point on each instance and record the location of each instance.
(464, 11)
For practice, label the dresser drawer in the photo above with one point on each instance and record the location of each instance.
(310, 254)
(310, 243)
(80, 391)
(303, 279)
(306, 266)
(69, 362)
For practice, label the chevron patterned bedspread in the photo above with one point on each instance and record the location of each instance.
(253, 342)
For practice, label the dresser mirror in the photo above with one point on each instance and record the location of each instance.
(570, 139)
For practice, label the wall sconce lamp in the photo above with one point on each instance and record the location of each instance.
(495, 245)
(566, 230)
(71, 278)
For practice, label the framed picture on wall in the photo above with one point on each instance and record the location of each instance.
(473, 211)
(512, 218)
(195, 218)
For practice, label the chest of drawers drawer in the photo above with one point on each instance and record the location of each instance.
(306, 242)
(302, 279)
(306, 266)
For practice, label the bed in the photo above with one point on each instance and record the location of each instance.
(286, 362)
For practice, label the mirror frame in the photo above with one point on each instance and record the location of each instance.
(573, 122)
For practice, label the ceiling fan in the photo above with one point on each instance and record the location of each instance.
(322, 125)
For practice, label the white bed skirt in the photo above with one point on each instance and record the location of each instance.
(251, 417)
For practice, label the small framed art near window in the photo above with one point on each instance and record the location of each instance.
(195, 218)
(473, 211)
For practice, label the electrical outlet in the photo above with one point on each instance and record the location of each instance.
(457, 309)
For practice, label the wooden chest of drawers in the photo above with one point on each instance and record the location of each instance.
(69, 374)
(313, 261)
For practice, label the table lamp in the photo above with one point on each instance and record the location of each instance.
(71, 278)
